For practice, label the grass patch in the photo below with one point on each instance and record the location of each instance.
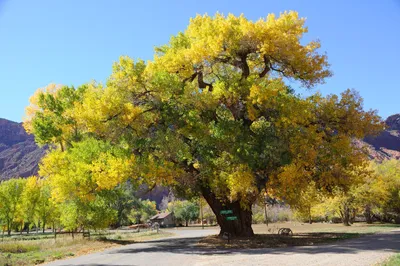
(392, 261)
(360, 228)
(18, 247)
(37, 251)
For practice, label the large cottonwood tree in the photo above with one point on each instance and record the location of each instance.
(213, 114)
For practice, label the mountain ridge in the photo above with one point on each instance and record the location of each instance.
(19, 154)
(387, 144)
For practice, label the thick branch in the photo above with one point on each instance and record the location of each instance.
(149, 189)
(279, 70)
(191, 78)
(200, 80)
(261, 180)
(141, 94)
(202, 84)
(266, 67)
(244, 66)
(111, 117)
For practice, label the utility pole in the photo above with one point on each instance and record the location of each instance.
(266, 213)
(265, 207)
(201, 213)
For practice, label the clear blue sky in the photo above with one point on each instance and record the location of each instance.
(75, 41)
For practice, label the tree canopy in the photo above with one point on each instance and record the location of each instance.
(212, 114)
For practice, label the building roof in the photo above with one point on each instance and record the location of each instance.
(160, 215)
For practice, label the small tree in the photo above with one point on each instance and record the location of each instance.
(387, 189)
(142, 211)
(30, 199)
(11, 200)
(166, 200)
(186, 211)
(93, 214)
(305, 202)
(47, 209)
(123, 200)
(339, 204)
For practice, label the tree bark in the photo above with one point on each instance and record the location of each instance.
(346, 216)
(201, 214)
(8, 228)
(368, 214)
(240, 227)
(266, 213)
(353, 216)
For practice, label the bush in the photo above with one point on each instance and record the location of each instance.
(280, 213)
(258, 218)
(275, 213)
(283, 216)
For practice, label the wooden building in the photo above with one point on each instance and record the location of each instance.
(164, 219)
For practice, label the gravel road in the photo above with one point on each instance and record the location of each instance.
(180, 250)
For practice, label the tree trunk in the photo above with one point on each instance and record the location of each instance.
(309, 216)
(8, 228)
(346, 216)
(201, 214)
(187, 223)
(266, 213)
(368, 214)
(240, 227)
(353, 216)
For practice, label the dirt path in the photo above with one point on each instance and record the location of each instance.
(181, 250)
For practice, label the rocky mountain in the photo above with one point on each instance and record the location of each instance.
(19, 155)
(387, 144)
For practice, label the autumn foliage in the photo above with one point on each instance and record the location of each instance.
(212, 114)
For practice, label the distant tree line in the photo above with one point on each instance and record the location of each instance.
(27, 204)
(375, 197)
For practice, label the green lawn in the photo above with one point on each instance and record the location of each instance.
(392, 261)
(39, 250)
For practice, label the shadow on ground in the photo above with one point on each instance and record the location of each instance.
(121, 242)
(382, 242)
(107, 265)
